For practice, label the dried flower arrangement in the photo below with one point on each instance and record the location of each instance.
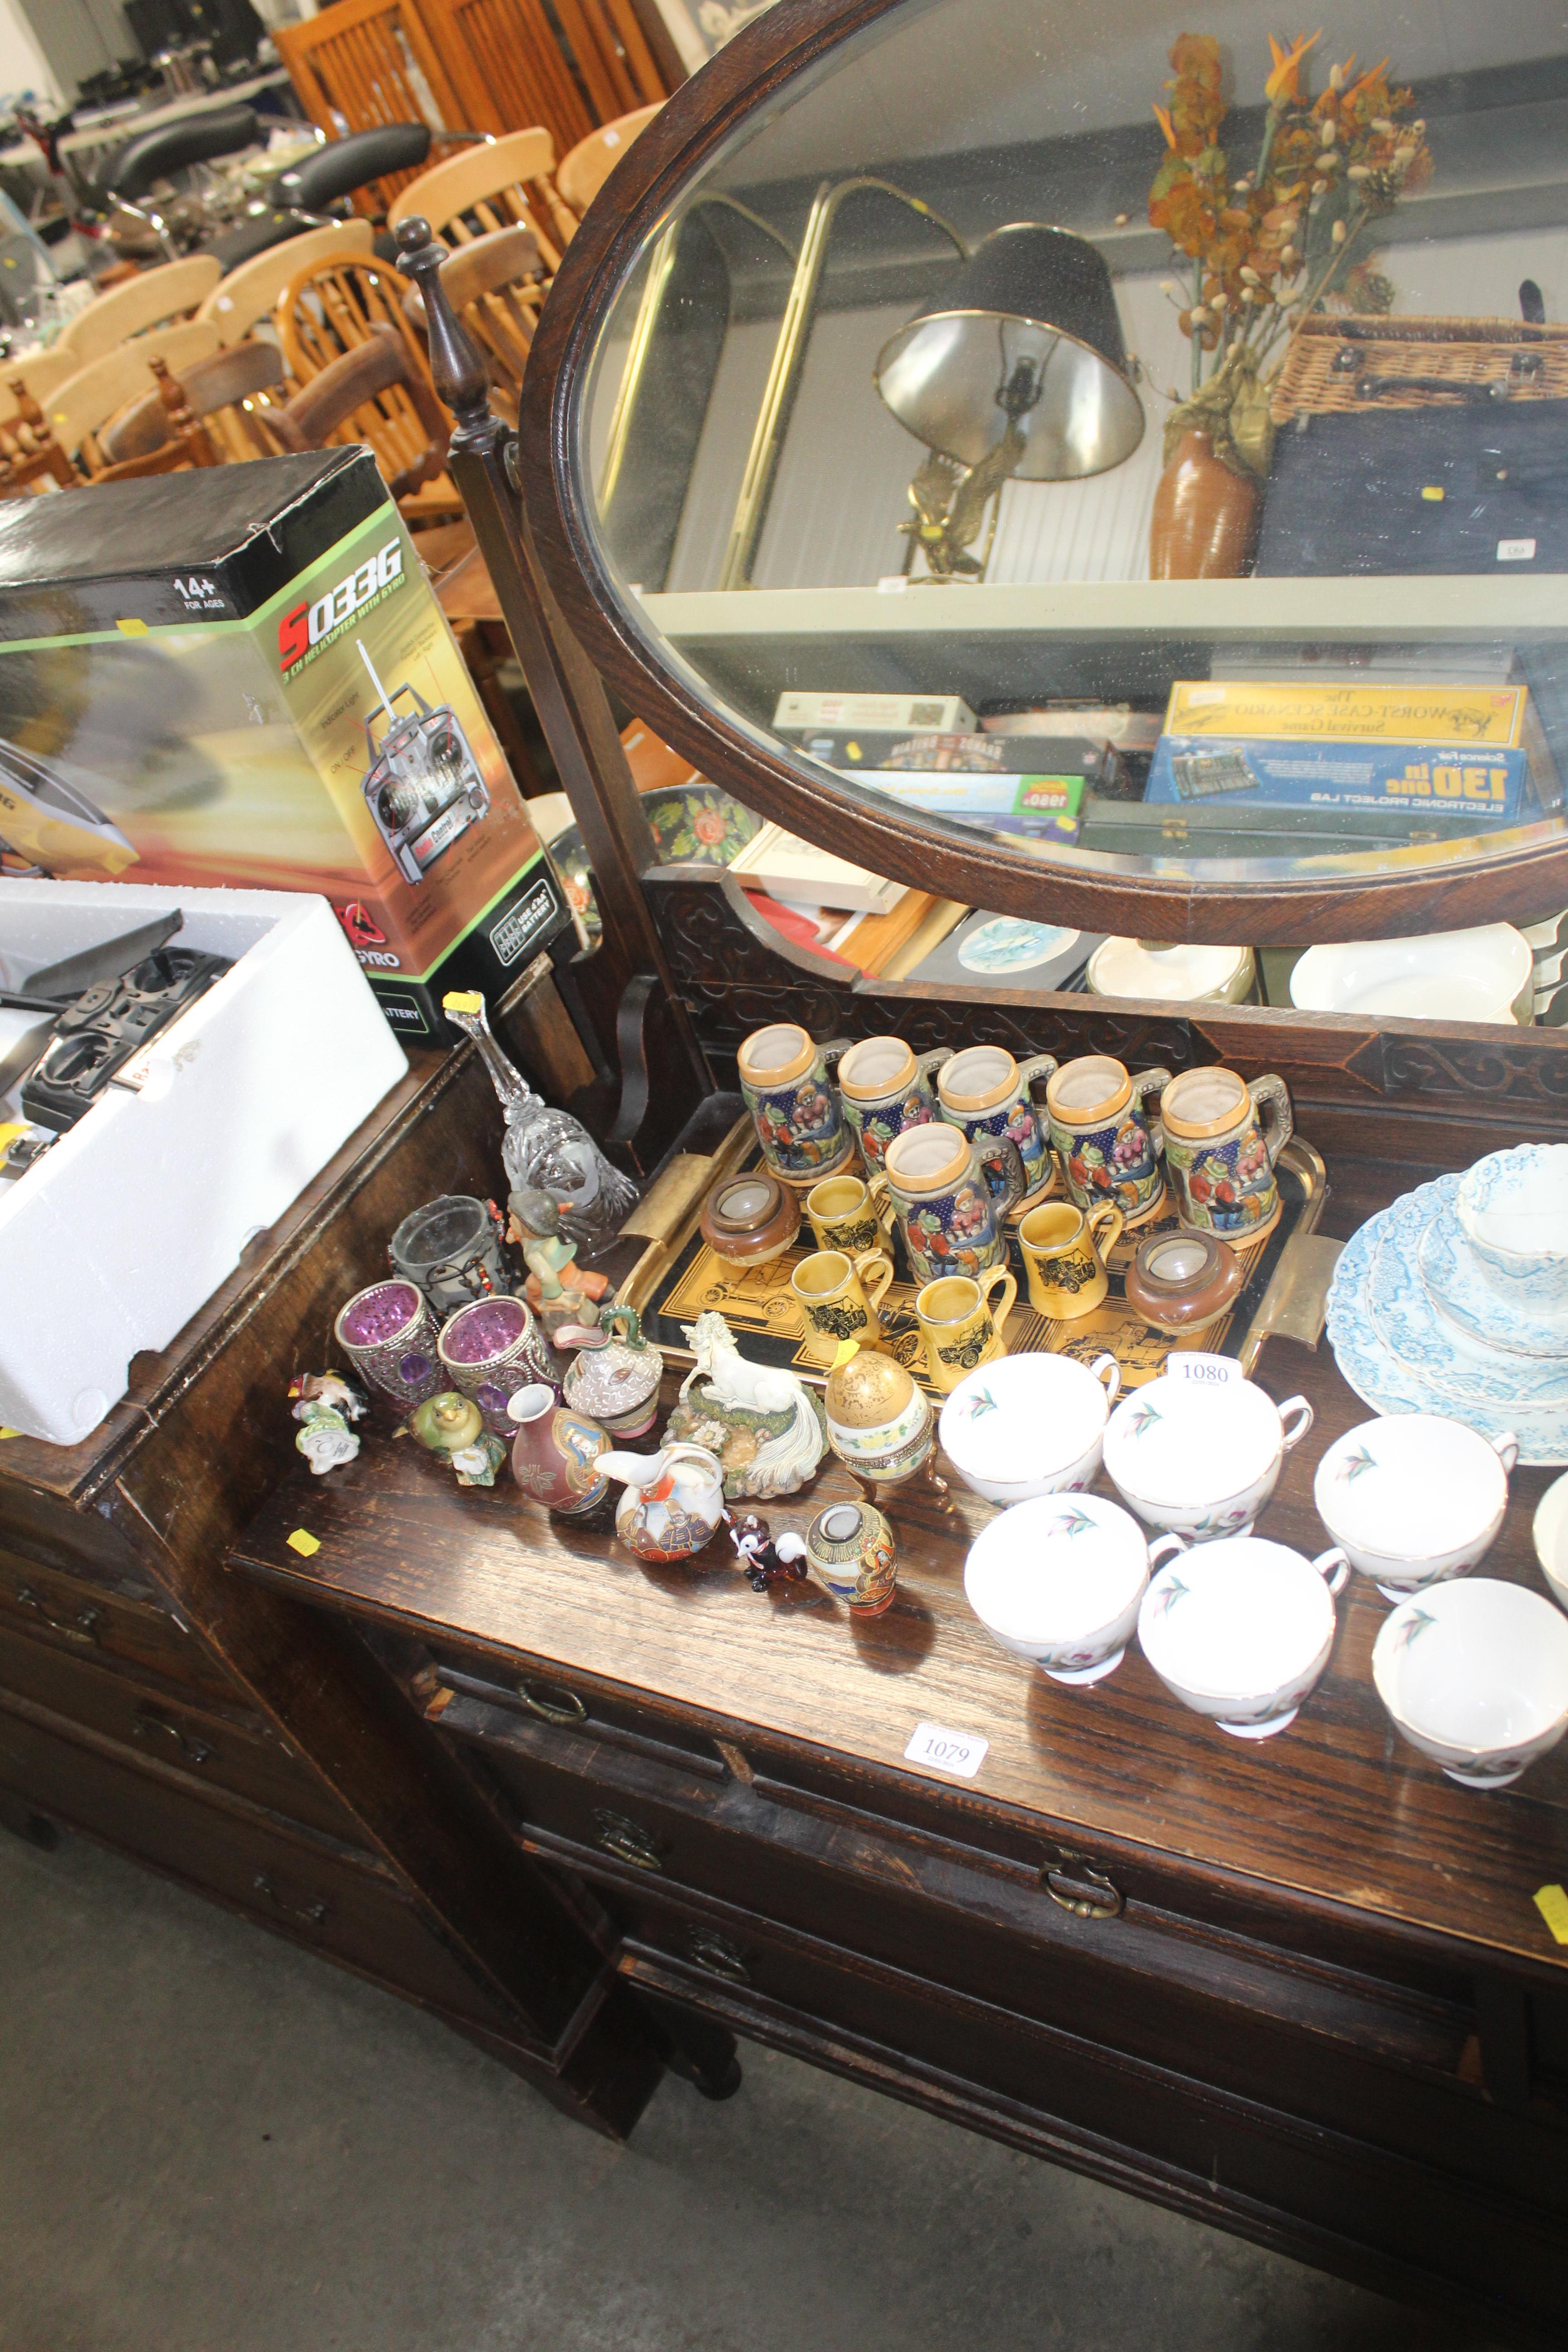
(1278, 239)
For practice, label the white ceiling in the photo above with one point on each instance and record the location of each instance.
(938, 77)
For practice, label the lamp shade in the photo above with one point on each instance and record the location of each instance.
(1028, 297)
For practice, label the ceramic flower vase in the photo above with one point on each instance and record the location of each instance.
(1205, 520)
(555, 1453)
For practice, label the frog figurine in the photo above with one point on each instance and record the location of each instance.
(453, 1425)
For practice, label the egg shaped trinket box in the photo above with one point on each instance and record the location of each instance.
(880, 1423)
(849, 1549)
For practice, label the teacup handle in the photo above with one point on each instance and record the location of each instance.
(1271, 1108)
(874, 1267)
(995, 1278)
(1101, 1366)
(1164, 1547)
(1506, 1448)
(1147, 1083)
(1038, 1065)
(1105, 1223)
(1335, 1565)
(1002, 1148)
(1299, 1405)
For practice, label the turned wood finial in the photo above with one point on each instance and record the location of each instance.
(461, 378)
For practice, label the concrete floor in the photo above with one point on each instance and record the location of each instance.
(211, 2142)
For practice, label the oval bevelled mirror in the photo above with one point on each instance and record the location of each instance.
(1141, 453)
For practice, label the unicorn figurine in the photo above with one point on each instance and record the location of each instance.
(762, 1423)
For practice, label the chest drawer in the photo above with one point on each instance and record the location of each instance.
(1337, 2047)
(325, 1899)
(575, 1703)
(90, 1620)
(218, 1750)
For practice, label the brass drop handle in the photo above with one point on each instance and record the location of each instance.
(83, 1627)
(718, 1956)
(558, 1707)
(626, 1841)
(313, 1914)
(1078, 1886)
(148, 1724)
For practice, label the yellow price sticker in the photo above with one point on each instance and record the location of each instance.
(305, 1545)
(463, 1000)
(1552, 1903)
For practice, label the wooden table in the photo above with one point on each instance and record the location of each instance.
(1299, 1988)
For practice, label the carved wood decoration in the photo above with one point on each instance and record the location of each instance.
(749, 73)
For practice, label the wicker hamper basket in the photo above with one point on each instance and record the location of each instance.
(1337, 364)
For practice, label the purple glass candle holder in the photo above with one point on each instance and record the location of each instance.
(491, 1349)
(390, 1334)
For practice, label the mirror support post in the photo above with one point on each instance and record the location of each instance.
(567, 690)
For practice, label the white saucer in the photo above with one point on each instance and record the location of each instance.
(1458, 1287)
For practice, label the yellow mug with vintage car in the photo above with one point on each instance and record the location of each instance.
(1065, 1250)
(960, 1322)
(839, 1296)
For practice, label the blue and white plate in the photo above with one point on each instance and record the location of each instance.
(1462, 1295)
(1442, 1357)
(1388, 1385)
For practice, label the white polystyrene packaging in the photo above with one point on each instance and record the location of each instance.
(121, 1231)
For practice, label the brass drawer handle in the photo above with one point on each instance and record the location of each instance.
(83, 1627)
(718, 1956)
(1079, 1887)
(560, 1707)
(626, 1841)
(313, 1914)
(148, 1724)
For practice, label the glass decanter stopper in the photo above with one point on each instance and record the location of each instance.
(547, 1148)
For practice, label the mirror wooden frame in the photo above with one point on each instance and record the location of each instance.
(685, 137)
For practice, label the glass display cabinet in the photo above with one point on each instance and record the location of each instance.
(1064, 380)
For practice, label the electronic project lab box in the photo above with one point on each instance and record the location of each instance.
(240, 675)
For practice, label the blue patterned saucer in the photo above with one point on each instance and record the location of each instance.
(1443, 1358)
(1383, 1382)
(1462, 1295)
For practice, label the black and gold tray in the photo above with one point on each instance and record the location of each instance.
(678, 1277)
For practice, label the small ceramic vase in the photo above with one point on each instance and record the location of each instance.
(750, 1219)
(949, 1219)
(1108, 1145)
(837, 1298)
(985, 1092)
(453, 1425)
(673, 1500)
(1223, 1137)
(388, 1333)
(886, 1087)
(879, 1420)
(617, 1384)
(851, 1552)
(451, 1248)
(1182, 1283)
(1203, 525)
(489, 1350)
(1064, 1252)
(555, 1453)
(844, 1216)
(785, 1081)
(960, 1323)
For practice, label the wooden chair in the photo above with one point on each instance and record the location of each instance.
(584, 171)
(331, 309)
(78, 409)
(171, 292)
(248, 295)
(236, 395)
(495, 285)
(30, 453)
(364, 62)
(509, 183)
(347, 401)
(42, 371)
(183, 442)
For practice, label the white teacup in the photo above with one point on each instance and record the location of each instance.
(1513, 1207)
(1550, 1529)
(1028, 1425)
(1059, 1581)
(1240, 1630)
(1198, 1459)
(1414, 1498)
(1476, 1676)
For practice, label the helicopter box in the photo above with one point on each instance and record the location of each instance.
(241, 676)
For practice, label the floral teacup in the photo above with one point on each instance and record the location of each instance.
(1059, 1581)
(785, 1081)
(1513, 1207)
(1240, 1631)
(1414, 1498)
(1201, 1460)
(1476, 1676)
(1029, 1425)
